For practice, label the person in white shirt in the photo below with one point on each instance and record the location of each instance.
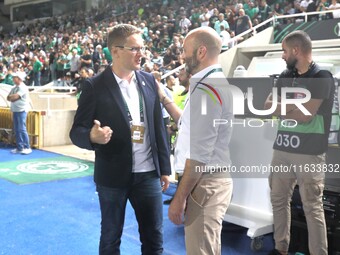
(19, 98)
(336, 7)
(204, 192)
(74, 63)
(224, 34)
(204, 17)
(184, 24)
(119, 116)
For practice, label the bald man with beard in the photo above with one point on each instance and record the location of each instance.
(204, 193)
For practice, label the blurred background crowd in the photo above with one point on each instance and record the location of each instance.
(65, 48)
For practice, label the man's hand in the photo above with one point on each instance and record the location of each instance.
(185, 187)
(176, 211)
(100, 135)
(165, 182)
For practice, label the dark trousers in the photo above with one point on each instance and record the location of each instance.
(145, 196)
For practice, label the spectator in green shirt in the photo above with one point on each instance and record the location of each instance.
(9, 78)
(107, 55)
(37, 66)
(252, 11)
(2, 77)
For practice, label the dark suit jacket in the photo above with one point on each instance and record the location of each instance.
(102, 99)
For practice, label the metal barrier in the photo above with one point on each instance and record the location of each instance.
(33, 124)
(5, 118)
(48, 98)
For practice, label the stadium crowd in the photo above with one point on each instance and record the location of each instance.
(58, 48)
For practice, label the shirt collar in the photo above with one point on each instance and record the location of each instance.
(119, 80)
(206, 70)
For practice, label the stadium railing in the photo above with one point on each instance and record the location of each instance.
(273, 21)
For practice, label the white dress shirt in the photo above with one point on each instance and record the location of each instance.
(198, 139)
(142, 155)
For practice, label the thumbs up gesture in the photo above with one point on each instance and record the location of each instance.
(100, 135)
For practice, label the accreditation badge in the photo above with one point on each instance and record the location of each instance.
(137, 133)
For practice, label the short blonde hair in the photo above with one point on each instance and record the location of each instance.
(119, 34)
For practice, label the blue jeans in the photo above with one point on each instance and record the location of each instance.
(36, 78)
(19, 126)
(145, 196)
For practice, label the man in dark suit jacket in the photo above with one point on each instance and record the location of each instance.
(119, 116)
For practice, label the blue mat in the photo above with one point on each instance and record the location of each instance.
(62, 217)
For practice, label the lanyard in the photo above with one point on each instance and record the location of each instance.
(141, 108)
(215, 70)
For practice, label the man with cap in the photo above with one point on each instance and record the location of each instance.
(19, 98)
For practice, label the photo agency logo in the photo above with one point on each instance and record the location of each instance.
(240, 97)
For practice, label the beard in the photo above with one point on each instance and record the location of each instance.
(191, 63)
(291, 63)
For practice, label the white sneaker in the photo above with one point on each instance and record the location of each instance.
(16, 151)
(26, 151)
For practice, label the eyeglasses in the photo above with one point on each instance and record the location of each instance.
(132, 49)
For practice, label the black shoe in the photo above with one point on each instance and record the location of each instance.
(168, 201)
(274, 252)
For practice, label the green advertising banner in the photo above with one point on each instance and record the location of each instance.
(317, 30)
